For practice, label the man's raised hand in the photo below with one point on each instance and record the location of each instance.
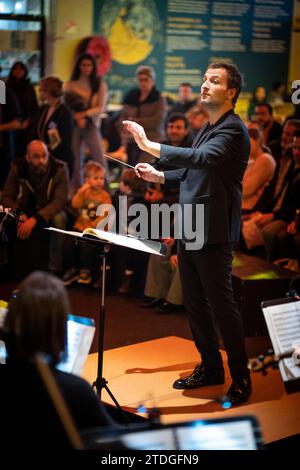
(137, 133)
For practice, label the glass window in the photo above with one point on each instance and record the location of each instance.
(21, 7)
(20, 40)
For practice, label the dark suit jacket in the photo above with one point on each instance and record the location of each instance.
(211, 173)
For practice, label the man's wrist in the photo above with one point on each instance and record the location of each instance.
(153, 148)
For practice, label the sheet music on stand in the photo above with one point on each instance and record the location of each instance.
(283, 321)
(127, 241)
(80, 331)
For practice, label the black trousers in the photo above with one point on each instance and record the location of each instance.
(208, 297)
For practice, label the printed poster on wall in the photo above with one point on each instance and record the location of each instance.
(179, 38)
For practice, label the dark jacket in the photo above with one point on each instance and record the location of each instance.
(211, 173)
(43, 201)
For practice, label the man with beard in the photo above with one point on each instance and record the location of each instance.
(210, 175)
(37, 186)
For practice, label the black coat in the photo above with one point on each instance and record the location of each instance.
(211, 173)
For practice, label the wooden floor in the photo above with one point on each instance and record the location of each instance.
(143, 373)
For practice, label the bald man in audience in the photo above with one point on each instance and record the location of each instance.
(37, 186)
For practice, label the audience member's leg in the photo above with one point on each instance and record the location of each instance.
(159, 274)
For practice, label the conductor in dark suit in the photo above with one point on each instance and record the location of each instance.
(210, 173)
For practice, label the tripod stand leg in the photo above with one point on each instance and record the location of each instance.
(100, 381)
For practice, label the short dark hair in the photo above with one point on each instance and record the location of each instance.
(37, 319)
(266, 105)
(234, 77)
(185, 84)
(176, 117)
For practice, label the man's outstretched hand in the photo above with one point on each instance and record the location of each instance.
(149, 173)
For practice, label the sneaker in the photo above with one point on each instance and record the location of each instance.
(84, 277)
(70, 276)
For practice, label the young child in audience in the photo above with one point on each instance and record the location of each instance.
(86, 200)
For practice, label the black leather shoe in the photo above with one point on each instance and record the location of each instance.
(199, 378)
(167, 307)
(239, 391)
(153, 303)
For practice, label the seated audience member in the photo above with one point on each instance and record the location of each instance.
(163, 283)
(282, 151)
(185, 99)
(80, 257)
(271, 129)
(54, 123)
(274, 222)
(10, 120)
(259, 173)
(19, 82)
(282, 148)
(146, 106)
(37, 186)
(36, 323)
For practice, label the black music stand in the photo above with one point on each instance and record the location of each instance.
(106, 239)
(100, 381)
